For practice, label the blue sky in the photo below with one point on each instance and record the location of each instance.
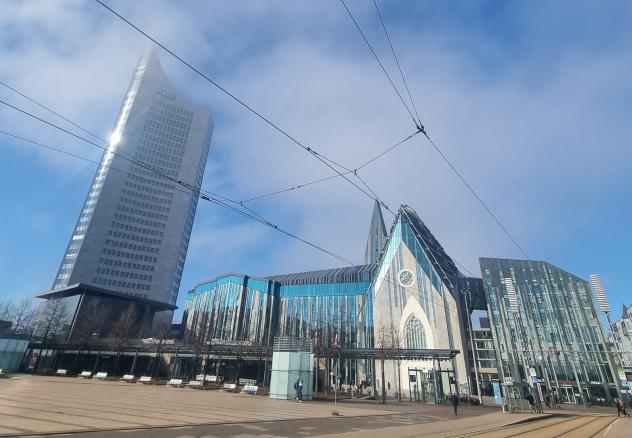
(531, 100)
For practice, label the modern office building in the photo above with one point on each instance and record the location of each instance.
(133, 231)
(408, 298)
(546, 329)
(622, 338)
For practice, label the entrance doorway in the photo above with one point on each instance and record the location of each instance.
(431, 385)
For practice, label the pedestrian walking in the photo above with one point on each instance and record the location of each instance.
(531, 401)
(556, 401)
(618, 403)
(621, 409)
(455, 402)
(298, 387)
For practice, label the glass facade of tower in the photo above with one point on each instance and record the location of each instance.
(555, 336)
(133, 231)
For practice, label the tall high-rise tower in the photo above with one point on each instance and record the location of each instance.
(134, 228)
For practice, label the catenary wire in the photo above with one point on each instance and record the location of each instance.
(70, 154)
(321, 157)
(196, 192)
(299, 186)
(348, 171)
(52, 112)
(422, 129)
(192, 190)
(401, 72)
(104, 148)
(417, 124)
(478, 198)
(326, 161)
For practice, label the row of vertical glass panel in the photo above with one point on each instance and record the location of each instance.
(239, 308)
(556, 331)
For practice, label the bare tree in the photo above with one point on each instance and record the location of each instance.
(161, 331)
(22, 318)
(382, 342)
(398, 343)
(54, 318)
(124, 328)
(6, 316)
(6, 310)
(87, 326)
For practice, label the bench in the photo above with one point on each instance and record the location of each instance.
(100, 376)
(230, 387)
(250, 389)
(61, 372)
(175, 383)
(144, 379)
(209, 378)
(195, 384)
(128, 378)
(85, 374)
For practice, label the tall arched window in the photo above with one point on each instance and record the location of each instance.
(415, 334)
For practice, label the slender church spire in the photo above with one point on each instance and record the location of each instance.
(377, 236)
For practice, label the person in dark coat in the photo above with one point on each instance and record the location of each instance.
(455, 402)
(621, 408)
(531, 401)
(298, 387)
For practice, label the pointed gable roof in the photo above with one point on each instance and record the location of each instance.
(377, 236)
(440, 260)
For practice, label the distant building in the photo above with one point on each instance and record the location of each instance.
(622, 332)
(546, 328)
(133, 231)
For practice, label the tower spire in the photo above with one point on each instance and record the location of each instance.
(377, 236)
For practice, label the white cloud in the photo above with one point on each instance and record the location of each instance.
(538, 138)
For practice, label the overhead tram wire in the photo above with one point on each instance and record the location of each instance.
(478, 198)
(52, 112)
(326, 161)
(327, 178)
(70, 154)
(91, 133)
(66, 119)
(254, 216)
(418, 124)
(197, 192)
(401, 72)
(123, 156)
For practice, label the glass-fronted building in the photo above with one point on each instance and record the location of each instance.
(331, 307)
(546, 329)
(622, 338)
(133, 230)
(408, 298)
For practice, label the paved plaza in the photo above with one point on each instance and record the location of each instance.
(36, 405)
